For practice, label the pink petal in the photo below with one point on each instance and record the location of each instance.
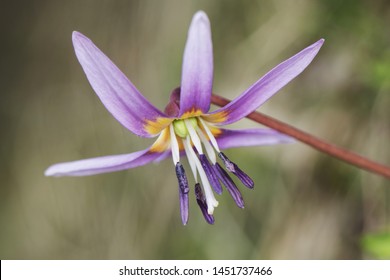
(251, 137)
(118, 94)
(266, 87)
(197, 72)
(104, 164)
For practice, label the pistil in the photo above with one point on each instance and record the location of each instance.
(210, 199)
(194, 134)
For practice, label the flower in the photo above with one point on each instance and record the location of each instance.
(186, 127)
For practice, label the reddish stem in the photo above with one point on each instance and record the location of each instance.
(312, 141)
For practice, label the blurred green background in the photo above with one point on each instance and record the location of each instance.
(305, 205)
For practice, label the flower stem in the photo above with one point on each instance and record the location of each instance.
(314, 142)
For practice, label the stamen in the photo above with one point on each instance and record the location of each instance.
(210, 172)
(207, 145)
(191, 162)
(174, 146)
(230, 185)
(202, 204)
(210, 135)
(194, 136)
(210, 199)
(183, 192)
(232, 167)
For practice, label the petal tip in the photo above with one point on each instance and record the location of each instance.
(76, 34)
(54, 171)
(200, 18)
(199, 15)
(319, 43)
(77, 38)
(49, 172)
(315, 48)
(184, 222)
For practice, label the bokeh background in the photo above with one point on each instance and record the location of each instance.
(305, 205)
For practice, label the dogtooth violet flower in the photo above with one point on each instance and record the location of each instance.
(186, 127)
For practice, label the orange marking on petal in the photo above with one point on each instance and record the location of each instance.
(216, 117)
(156, 126)
(192, 113)
(162, 142)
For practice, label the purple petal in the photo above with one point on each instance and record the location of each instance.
(250, 137)
(118, 94)
(197, 72)
(104, 164)
(266, 87)
(163, 156)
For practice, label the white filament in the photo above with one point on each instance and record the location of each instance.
(174, 146)
(191, 162)
(210, 199)
(210, 135)
(194, 136)
(207, 145)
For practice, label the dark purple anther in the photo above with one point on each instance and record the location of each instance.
(183, 192)
(200, 199)
(230, 186)
(233, 168)
(211, 175)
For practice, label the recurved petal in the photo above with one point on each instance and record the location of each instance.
(197, 71)
(250, 137)
(265, 87)
(118, 94)
(104, 164)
